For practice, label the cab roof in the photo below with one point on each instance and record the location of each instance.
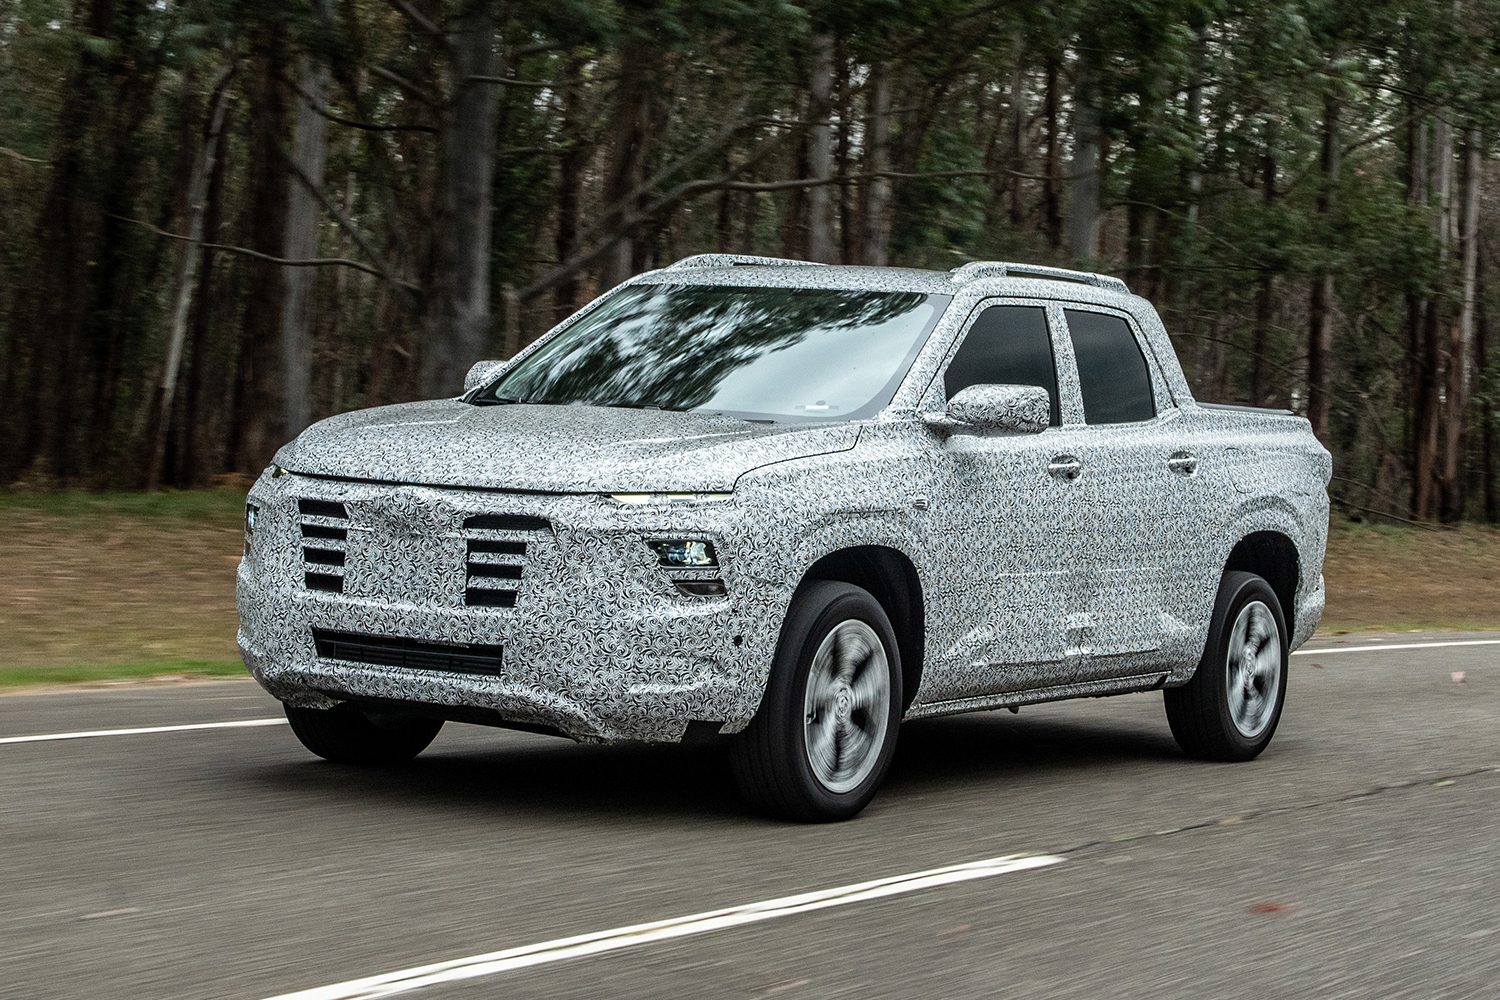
(735, 269)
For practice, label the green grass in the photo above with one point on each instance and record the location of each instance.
(14, 677)
(191, 505)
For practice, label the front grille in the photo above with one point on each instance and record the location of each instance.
(494, 564)
(507, 522)
(325, 539)
(413, 654)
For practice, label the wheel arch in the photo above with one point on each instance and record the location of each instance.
(891, 578)
(1273, 556)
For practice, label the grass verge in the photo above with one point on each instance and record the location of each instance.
(16, 677)
(126, 586)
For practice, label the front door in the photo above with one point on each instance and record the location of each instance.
(1009, 523)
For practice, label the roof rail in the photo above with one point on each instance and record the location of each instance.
(975, 270)
(738, 260)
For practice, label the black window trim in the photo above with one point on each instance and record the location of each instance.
(1162, 400)
(937, 385)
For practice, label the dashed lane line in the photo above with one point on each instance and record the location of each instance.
(562, 949)
(237, 724)
(1326, 650)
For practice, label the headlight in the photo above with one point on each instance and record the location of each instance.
(685, 553)
(252, 514)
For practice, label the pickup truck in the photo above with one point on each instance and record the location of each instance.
(789, 507)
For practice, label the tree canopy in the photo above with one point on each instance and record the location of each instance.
(222, 219)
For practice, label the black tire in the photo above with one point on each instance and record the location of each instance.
(1203, 712)
(350, 737)
(771, 759)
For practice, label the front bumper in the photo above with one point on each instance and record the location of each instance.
(599, 644)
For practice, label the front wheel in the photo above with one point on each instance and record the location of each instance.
(826, 731)
(350, 737)
(1230, 709)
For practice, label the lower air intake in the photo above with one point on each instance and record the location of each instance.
(413, 654)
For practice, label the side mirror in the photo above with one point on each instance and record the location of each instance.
(481, 373)
(1009, 409)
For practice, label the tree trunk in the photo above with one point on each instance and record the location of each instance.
(461, 333)
(1051, 195)
(794, 242)
(1461, 336)
(257, 429)
(1320, 308)
(1427, 467)
(187, 283)
(571, 166)
(820, 153)
(1197, 70)
(1416, 196)
(1264, 301)
(1487, 417)
(1135, 247)
(188, 467)
(1083, 185)
(848, 227)
(309, 150)
(877, 223)
(1017, 128)
(627, 154)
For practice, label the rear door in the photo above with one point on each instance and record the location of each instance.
(1125, 453)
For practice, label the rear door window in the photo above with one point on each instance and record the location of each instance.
(1007, 345)
(1112, 371)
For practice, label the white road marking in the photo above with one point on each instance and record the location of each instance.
(392, 983)
(1324, 651)
(239, 724)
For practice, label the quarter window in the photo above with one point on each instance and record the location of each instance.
(1007, 345)
(1111, 369)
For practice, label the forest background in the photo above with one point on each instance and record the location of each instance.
(221, 220)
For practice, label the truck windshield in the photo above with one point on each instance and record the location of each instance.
(758, 353)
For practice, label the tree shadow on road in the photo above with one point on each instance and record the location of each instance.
(1002, 750)
(513, 773)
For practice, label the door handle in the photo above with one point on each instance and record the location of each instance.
(1065, 467)
(1184, 463)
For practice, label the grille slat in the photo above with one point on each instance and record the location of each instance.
(490, 546)
(508, 522)
(493, 567)
(322, 554)
(413, 654)
(476, 597)
(495, 570)
(321, 508)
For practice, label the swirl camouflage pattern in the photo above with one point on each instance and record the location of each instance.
(494, 562)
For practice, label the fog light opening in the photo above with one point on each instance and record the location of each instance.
(685, 553)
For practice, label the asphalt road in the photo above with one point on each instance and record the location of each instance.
(1355, 858)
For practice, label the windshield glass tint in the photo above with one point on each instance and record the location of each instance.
(798, 353)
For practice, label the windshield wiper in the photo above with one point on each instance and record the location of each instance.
(492, 400)
(640, 406)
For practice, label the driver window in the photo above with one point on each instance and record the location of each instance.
(1007, 345)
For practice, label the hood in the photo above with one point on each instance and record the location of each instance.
(553, 449)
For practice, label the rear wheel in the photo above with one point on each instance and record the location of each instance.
(350, 737)
(1230, 709)
(826, 731)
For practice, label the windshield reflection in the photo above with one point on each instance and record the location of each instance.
(803, 353)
